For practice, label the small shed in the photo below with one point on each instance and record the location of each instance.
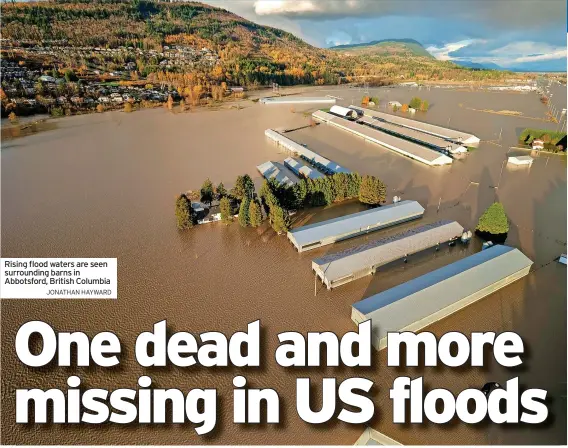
(394, 104)
(521, 160)
(537, 144)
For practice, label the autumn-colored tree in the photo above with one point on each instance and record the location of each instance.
(184, 212)
(404, 108)
(100, 108)
(372, 191)
(365, 101)
(255, 214)
(127, 107)
(225, 209)
(170, 103)
(182, 105)
(13, 117)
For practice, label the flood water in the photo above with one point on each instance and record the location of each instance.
(104, 185)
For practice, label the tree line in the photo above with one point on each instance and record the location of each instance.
(277, 200)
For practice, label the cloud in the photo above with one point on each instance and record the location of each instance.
(507, 13)
(444, 52)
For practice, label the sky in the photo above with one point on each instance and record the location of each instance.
(514, 34)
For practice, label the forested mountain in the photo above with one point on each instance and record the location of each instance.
(242, 52)
(386, 47)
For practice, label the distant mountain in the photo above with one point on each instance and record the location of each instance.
(386, 47)
(476, 65)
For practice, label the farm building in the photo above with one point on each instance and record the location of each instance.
(270, 170)
(394, 104)
(520, 160)
(301, 170)
(348, 265)
(438, 131)
(537, 144)
(344, 112)
(297, 100)
(436, 143)
(424, 300)
(404, 147)
(327, 232)
(321, 163)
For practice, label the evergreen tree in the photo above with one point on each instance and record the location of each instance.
(255, 214)
(221, 191)
(279, 219)
(207, 192)
(244, 220)
(225, 209)
(372, 191)
(184, 212)
(493, 221)
(244, 186)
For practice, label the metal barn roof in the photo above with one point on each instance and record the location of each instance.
(272, 171)
(339, 265)
(404, 147)
(438, 131)
(380, 216)
(421, 298)
(304, 152)
(300, 169)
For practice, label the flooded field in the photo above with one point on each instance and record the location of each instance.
(104, 186)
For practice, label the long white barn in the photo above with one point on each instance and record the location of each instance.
(404, 147)
(424, 300)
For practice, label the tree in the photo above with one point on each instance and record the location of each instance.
(127, 107)
(255, 214)
(184, 212)
(415, 102)
(244, 220)
(279, 219)
(244, 186)
(70, 76)
(182, 105)
(13, 117)
(170, 103)
(404, 108)
(207, 191)
(365, 101)
(100, 108)
(493, 221)
(221, 191)
(225, 208)
(372, 191)
(424, 106)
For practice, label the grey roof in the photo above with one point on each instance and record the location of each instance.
(401, 306)
(404, 147)
(376, 253)
(271, 170)
(304, 152)
(379, 216)
(297, 99)
(432, 129)
(417, 136)
(300, 169)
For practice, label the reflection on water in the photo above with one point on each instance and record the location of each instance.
(104, 186)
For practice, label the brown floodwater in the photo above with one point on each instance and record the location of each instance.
(104, 186)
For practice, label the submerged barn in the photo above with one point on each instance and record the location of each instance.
(343, 267)
(399, 145)
(270, 170)
(438, 131)
(323, 164)
(337, 229)
(302, 170)
(424, 300)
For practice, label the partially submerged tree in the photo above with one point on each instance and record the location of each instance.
(493, 221)
(225, 209)
(221, 191)
(244, 212)
(372, 191)
(207, 191)
(279, 219)
(184, 212)
(255, 214)
(244, 187)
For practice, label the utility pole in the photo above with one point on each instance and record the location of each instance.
(439, 203)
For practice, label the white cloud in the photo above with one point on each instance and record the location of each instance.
(442, 53)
